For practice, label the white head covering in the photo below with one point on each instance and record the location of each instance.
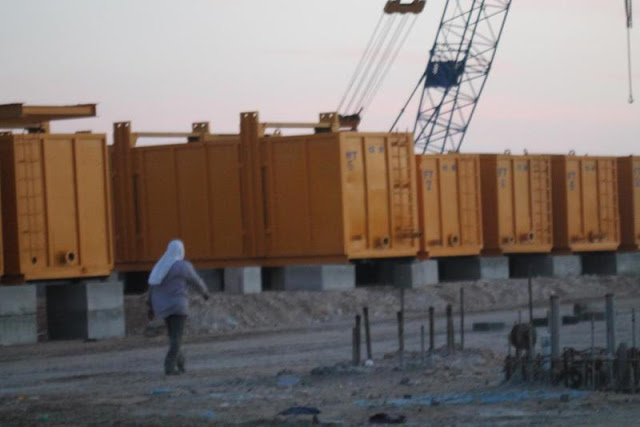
(174, 252)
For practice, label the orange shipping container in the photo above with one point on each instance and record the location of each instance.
(339, 196)
(629, 188)
(516, 202)
(585, 200)
(55, 206)
(194, 191)
(269, 200)
(449, 205)
(56, 209)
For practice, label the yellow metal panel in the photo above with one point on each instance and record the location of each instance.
(57, 220)
(629, 200)
(290, 223)
(376, 227)
(325, 186)
(226, 200)
(62, 218)
(94, 224)
(192, 198)
(586, 215)
(29, 190)
(506, 205)
(636, 199)
(450, 213)
(377, 188)
(157, 200)
(354, 196)
(517, 203)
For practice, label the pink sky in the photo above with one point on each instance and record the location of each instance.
(558, 83)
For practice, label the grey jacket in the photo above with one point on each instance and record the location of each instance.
(171, 296)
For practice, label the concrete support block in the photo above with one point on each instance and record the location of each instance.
(473, 268)
(314, 278)
(243, 280)
(566, 265)
(213, 277)
(599, 263)
(628, 263)
(494, 268)
(18, 319)
(415, 274)
(86, 310)
(544, 265)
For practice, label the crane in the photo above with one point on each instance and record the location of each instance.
(456, 73)
(455, 76)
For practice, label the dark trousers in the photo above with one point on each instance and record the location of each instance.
(175, 359)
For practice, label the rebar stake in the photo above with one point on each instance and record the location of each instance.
(367, 332)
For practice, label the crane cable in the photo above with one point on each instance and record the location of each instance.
(628, 9)
(386, 54)
(365, 54)
(384, 74)
(383, 48)
(372, 59)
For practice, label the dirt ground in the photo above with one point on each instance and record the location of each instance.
(252, 357)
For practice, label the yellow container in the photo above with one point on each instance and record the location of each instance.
(585, 201)
(516, 202)
(629, 199)
(55, 206)
(269, 200)
(449, 202)
(339, 196)
(193, 191)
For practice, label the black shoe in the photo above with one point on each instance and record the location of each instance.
(174, 372)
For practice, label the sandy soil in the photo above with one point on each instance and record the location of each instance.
(252, 357)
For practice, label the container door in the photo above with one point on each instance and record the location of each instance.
(430, 202)
(522, 205)
(402, 186)
(62, 214)
(470, 225)
(354, 195)
(607, 209)
(377, 193)
(31, 214)
(575, 207)
(505, 192)
(540, 169)
(94, 232)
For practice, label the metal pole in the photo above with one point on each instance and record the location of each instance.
(633, 327)
(359, 337)
(450, 338)
(354, 344)
(611, 334)
(401, 337)
(431, 330)
(530, 298)
(593, 362)
(555, 330)
(367, 332)
(462, 318)
(422, 343)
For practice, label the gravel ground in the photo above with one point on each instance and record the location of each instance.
(252, 357)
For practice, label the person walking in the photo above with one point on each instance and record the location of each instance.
(169, 284)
